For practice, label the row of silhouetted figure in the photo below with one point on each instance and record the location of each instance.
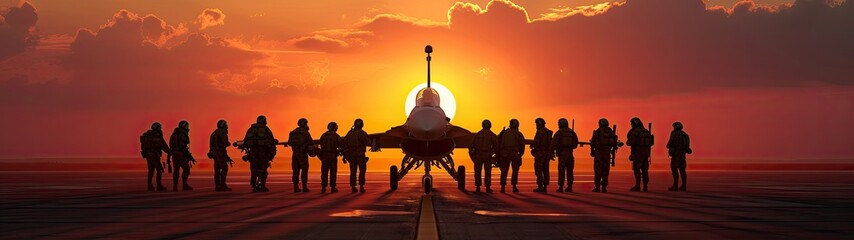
(486, 150)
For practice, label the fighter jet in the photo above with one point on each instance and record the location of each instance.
(427, 139)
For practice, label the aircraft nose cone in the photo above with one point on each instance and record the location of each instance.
(427, 123)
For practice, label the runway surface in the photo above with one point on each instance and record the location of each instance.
(719, 205)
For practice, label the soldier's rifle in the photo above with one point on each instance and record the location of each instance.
(191, 159)
(615, 148)
(580, 144)
(497, 158)
(650, 133)
(169, 162)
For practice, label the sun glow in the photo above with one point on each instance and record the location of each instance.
(447, 100)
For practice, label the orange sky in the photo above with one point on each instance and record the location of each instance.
(770, 79)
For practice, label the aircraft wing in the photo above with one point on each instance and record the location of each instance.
(394, 136)
(580, 144)
(388, 139)
(462, 137)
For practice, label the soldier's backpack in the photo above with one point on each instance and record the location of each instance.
(148, 142)
(296, 138)
(481, 143)
(645, 139)
(143, 142)
(508, 139)
(352, 140)
(607, 138)
(255, 137)
(568, 139)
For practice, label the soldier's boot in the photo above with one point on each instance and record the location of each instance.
(225, 187)
(644, 188)
(636, 188)
(488, 190)
(515, 189)
(353, 189)
(186, 187)
(604, 189)
(539, 188)
(597, 189)
(559, 188)
(477, 190)
(334, 189)
(150, 186)
(160, 187)
(304, 187)
(568, 188)
(323, 189)
(673, 188)
(502, 188)
(175, 187)
(683, 188)
(362, 188)
(262, 186)
(296, 188)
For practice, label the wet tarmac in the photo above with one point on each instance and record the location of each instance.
(719, 205)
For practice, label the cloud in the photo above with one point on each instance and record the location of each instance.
(630, 49)
(320, 43)
(589, 10)
(16, 30)
(210, 17)
(130, 58)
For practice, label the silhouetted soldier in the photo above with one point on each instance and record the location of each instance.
(302, 145)
(484, 145)
(640, 140)
(677, 146)
(261, 148)
(330, 148)
(565, 141)
(179, 144)
(601, 145)
(541, 149)
(511, 148)
(356, 142)
(153, 147)
(218, 143)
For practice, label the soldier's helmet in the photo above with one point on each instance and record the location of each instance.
(636, 122)
(184, 124)
(603, 122)
(302, 122)
(332, 126)
(486, 124)
(262, 119)
(358, 124)
(156, 126)
(562, 123)
(540, 122)
(677, 126)
(222, 124)
(514, 123)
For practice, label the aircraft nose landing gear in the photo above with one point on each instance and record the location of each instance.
(427, 183)
(461, 177)
(393, 179)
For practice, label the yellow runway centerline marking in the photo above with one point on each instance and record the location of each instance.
(427, 228)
